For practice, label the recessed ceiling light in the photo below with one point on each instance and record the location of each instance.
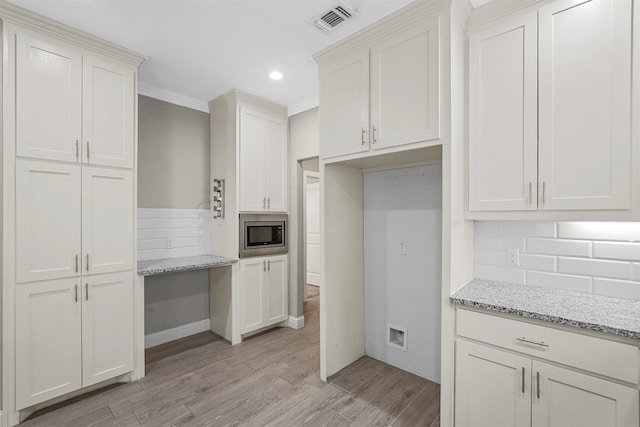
(275, 75)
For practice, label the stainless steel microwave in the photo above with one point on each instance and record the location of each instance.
(263, 234)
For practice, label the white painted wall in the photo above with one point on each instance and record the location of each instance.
(404, 205)
(312, 214)
(591, 257)
(303, 144)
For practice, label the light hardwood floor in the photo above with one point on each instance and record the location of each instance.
(270, 379)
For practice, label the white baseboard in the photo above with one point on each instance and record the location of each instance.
(296, 322)
(172, 334)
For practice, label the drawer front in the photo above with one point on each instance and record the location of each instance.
(609, 358)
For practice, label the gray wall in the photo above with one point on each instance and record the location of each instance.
(404, 205)
(173, 156)
(173, 173)
(304, 142)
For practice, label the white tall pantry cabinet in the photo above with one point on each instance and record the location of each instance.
(69, 196)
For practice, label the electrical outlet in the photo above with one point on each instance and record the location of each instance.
(513, 257)
(402, 249)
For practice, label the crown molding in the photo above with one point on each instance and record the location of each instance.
(398, 20)
(172, 97)
(13, 14)
(497, 11)
(241, 96)
(462, 10)
(303, 106)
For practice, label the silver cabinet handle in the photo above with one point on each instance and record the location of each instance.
(76, 293)
(374, 134)
(544, 192)
(523, 380)
(538, 384)
(264, 265)
(87, 150)
(86, 291)
(264, 203)
(268, 202)
(77, 263)
(530, 192)
(87, 262)
(540, 343)
(77, 149)
(362, 141)
(268, 265)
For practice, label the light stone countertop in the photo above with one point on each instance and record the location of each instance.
(170, 265)
(598, 313)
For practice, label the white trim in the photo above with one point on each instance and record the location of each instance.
(172, 334)
(296, 322)
(303, 106)
(1, 423)
(172, 97)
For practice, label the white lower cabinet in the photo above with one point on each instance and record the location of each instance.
(497, 388)
(263, 292)
(72, 333)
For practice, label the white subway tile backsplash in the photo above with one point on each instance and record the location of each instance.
(615, 250)
(559, 247)
(595, 267)
(187, 231)
(621, 231)
(499, 274)
(527, 229)
(538, 262)
(591, 257)
(559, 281)
(617, 288)
(486, 228)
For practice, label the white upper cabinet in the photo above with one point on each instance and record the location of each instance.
(344, 96)
(107, 226)
(263, 161)
(585, 104)
(47, 221)
(404, 87)
(503, 137)
(48, 98)
(107, 339)
(72, 107)
(108, 113)
(383, 95)
(556, 134)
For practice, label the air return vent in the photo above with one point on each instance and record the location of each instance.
(335, 16)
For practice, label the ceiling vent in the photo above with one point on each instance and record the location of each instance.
(334, 17)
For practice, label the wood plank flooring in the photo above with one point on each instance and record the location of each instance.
(271, 379)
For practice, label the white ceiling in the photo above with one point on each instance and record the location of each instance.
(199, 49)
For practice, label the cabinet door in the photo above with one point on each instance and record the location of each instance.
(570, 399)
(344, 96)
(276, 165)
(107, 326)
(252, 160)
(492, 387)
(48, 98)
(252, 290)
(503, 144)
(48, 346)
(585, 104)
(276, 290)
(47, 221)
(108, 113)
(405, 93)
(107, 220)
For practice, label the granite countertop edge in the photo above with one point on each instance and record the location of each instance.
(551, 318)
(172, 265)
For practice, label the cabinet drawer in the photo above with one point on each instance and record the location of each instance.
(610, 358)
